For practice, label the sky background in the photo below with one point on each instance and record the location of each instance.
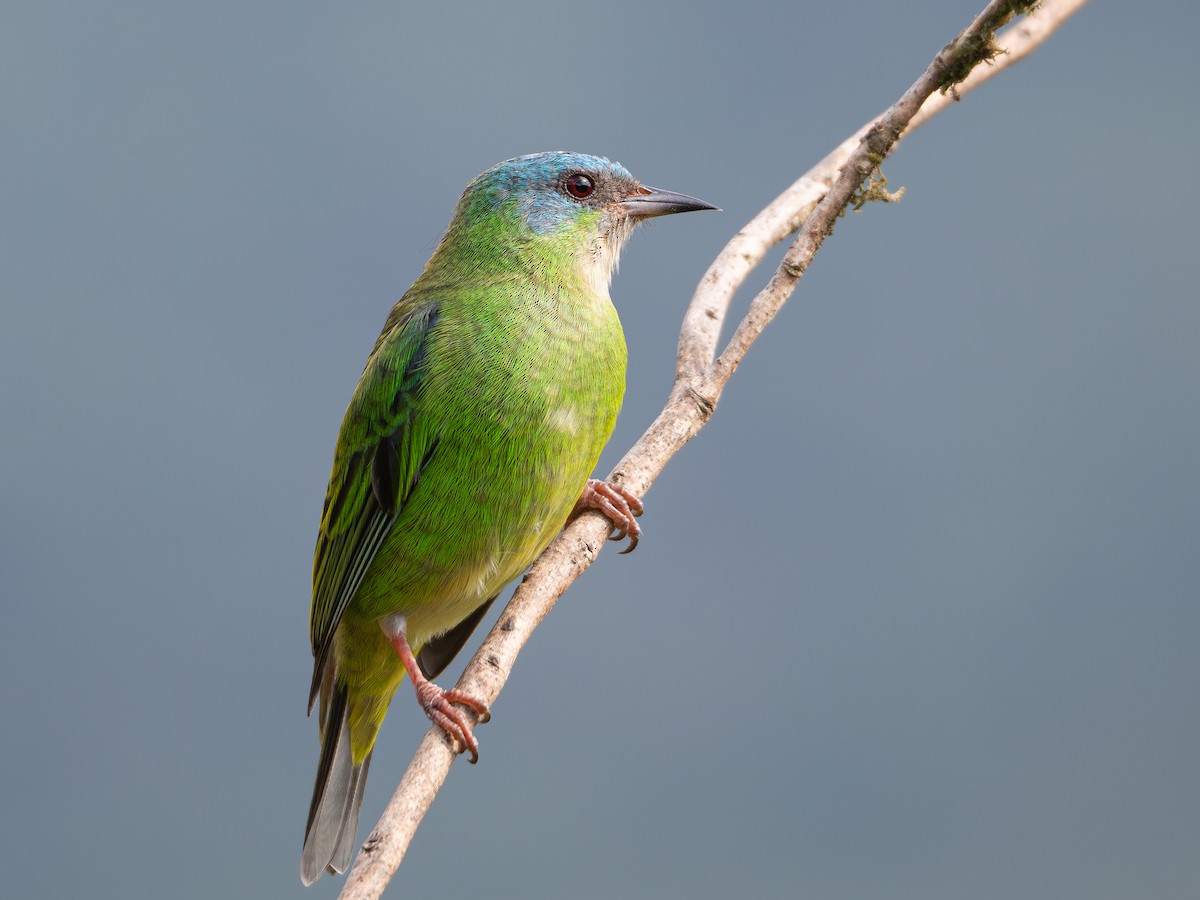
(916, 616)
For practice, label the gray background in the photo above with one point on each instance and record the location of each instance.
(916, 616)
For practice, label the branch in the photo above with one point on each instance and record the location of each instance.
(814, 201)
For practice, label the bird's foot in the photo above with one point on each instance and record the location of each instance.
(619, 505)
(437, 702)
(438, 705)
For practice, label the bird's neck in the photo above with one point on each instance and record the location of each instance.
(495, 248)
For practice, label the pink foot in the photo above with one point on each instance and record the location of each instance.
(619, 505)
(438, 702)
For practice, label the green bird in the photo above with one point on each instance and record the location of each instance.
(467, 445)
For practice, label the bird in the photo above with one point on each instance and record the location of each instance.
(468, 443)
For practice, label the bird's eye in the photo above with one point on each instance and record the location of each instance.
(579, 185)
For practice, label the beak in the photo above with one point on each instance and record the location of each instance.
(650, 201)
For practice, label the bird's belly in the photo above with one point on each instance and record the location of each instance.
(472, 524)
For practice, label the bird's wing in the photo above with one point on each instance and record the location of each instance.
(441, 650)
(381, 451)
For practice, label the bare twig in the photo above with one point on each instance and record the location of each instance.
(815, 200)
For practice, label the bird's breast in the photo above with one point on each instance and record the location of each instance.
(522, 401)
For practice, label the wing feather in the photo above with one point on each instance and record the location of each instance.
(381, 452)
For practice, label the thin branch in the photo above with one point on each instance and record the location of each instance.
(815, 200)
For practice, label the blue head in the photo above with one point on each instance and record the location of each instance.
(550, 191)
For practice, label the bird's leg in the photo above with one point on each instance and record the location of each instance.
(437, 702)
(619, 505)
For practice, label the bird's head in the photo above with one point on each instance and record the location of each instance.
(572, 203)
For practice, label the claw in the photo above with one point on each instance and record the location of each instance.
(437, 704)
(622, 508)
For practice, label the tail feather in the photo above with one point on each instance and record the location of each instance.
(343, 853)
(329, 838)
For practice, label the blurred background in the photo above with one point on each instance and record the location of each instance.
(915, 616)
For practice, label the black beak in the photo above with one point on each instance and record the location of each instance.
(650, 201)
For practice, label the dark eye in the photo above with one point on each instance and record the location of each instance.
(579, 185)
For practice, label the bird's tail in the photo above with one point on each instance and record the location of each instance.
(337, 795)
